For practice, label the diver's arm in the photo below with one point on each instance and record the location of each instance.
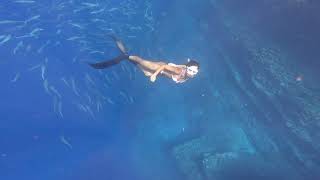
(159, 70)
(153, 77)
(168, 68)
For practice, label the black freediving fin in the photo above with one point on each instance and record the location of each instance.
(109, 63)
(120, 45)
(123, 56)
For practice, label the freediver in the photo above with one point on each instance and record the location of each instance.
(178, 73)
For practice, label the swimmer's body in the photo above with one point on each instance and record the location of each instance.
(178, 73)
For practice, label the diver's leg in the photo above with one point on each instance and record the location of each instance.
(145, 71)
(149, 73)
(145, 64)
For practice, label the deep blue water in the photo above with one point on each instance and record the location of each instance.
(252, 112)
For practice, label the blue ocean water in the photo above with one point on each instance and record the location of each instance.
(252, 112)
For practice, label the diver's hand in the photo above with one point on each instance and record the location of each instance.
(153, 78)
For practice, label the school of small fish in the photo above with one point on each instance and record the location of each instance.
(41, 30)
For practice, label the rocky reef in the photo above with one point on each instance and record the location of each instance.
(273, 91)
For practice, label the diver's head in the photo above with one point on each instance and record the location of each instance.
(192, 68)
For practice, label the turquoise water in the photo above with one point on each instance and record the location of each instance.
(252, 112)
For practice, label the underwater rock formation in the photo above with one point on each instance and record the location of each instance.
(274, 92)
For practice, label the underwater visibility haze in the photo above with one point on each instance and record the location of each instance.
(252, 112)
